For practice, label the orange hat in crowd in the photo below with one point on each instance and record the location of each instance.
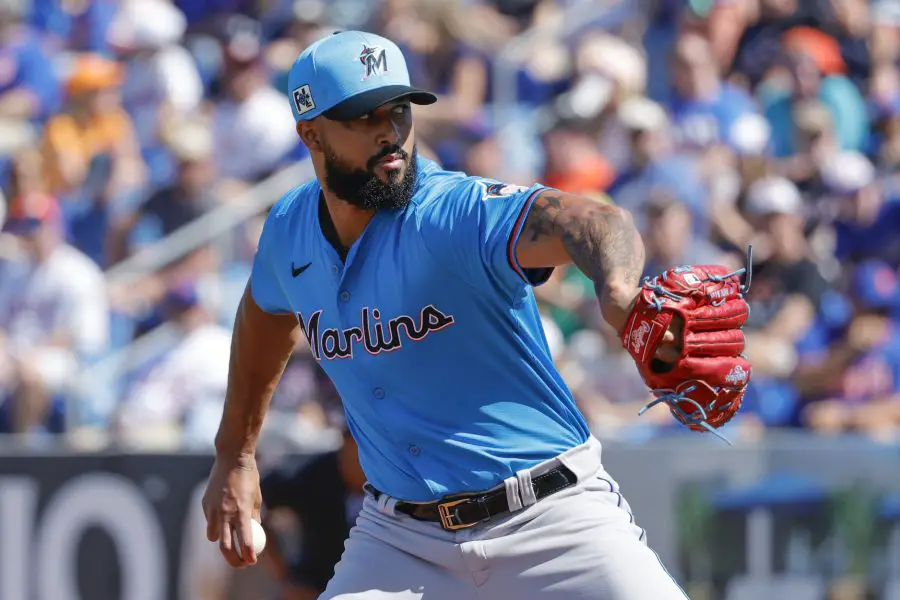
(29, 211)
(91, 72)
(594, 174)
(821, 47)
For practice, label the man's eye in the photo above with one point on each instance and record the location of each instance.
(401, 109)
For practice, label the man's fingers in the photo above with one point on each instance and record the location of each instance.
(245, 539)
(667, 354)
(226, 547)
(212, 525)
(225, 536)
(669, 348)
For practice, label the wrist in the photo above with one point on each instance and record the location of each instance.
(235, 452)
(616, 303)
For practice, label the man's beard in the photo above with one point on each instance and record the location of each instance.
(363, 189)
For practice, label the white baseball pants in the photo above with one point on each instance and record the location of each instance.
(580, 543)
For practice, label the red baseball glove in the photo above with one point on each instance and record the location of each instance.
(704, 387)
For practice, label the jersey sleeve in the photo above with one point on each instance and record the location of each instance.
(474, 229)
(265, 285)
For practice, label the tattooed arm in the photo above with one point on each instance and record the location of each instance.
(600, 239)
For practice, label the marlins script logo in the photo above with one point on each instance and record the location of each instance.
(374, 59)
(376, 337)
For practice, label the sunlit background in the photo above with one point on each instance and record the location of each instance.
(143, 141)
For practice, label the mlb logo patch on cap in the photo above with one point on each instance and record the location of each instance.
(303, 100)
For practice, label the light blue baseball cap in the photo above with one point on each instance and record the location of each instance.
(348, 74)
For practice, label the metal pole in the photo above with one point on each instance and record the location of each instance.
(209, 226)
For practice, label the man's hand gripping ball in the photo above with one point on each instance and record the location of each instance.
(705, 307)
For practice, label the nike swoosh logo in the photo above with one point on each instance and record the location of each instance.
(297, 270)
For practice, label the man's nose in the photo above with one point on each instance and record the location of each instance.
(389, 133)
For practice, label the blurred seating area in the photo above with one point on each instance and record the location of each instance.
(718, 123)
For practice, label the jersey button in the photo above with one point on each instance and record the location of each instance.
(378, 393)
(414, 450)
(345, 295)
(336, 269)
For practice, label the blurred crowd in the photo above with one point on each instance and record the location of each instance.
(719, 123)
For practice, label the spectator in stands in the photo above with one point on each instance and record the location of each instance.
(884, 99)
(606, 385)
(608, 72)
(93, 125)
(185, 386)
(850, 24)
(854, 383)
(253, 127)
(867, 223)
(91, 154)
(482, 154)
(727, 185)
(567, 299)
(655, 164)
(885, 37)
(193, 193)
(704, 108)
(815, 144)
(787, 285)
(28, 88)
(162, 85)
(308, 21)
(810, 77)
(306, 398)
(174, 206)
(574, 164)
(75, 26)
(444, 57)
(760, 42)
(53, 317)
(324, 496)
(668, 239)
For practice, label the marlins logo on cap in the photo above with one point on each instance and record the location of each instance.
(374, 59)
(327, 79)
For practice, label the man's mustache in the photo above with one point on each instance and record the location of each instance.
(385, 152)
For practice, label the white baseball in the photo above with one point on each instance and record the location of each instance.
(259, 538)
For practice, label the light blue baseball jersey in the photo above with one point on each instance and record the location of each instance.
(429, 331)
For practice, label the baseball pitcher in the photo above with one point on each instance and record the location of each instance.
(414, 287)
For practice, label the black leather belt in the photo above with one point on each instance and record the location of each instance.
(461, 511)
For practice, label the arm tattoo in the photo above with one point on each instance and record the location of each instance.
(600, 239)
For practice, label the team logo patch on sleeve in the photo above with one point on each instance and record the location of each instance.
(303, 99)
(498, 189)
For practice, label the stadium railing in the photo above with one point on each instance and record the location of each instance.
(215, 227)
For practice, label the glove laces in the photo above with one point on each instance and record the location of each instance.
(695, 417)
(674, 399)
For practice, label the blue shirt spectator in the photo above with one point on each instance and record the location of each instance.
(677, 175)
(703, 122)
(25, 66)
(703, 108)
(868, 223)
(849, 111)
(82, 28)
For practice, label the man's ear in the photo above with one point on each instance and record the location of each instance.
(309, 135)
